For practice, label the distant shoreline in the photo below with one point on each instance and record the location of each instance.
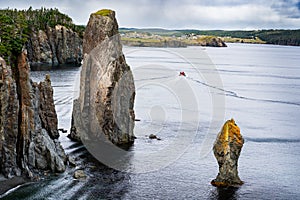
(274, 37)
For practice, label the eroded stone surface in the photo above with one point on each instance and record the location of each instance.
(26, 145)
(54, 46)
(105, 103)
(227, 149)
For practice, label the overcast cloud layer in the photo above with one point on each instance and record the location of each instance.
(181, 14)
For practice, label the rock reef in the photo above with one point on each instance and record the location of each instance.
(227, 149)
(55, 46)
(104, 107)
(28, 123)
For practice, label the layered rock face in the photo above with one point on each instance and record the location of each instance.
(227, 149)
(28, 123)
(104, 107)
(55, 46)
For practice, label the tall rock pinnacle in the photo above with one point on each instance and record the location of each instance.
(227, 149)
(104, 107)
(28, 123)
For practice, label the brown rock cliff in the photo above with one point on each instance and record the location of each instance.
(105, 103)
(55, 46)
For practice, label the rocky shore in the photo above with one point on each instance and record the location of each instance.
(28, 124)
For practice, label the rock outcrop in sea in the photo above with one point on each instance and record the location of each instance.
(104, 107)
(211, 41)
(28, 123)
(55, 46)
(227, 149)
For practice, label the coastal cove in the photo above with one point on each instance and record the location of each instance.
(260, 85)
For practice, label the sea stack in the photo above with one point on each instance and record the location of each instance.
(104, 107)
(28, 123)
(227, 149)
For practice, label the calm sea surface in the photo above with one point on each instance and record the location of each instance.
(257, 85)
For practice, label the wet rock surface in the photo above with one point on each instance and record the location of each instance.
(227, 149)
(28, 123)
(104, 107)
(79, 174)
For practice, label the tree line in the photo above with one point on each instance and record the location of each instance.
(278, 37)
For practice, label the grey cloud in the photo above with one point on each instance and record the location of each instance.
(287, 8)
(178, 14)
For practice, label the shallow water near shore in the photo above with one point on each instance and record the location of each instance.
(261, 91)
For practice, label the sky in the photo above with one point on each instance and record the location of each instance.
(180, 14)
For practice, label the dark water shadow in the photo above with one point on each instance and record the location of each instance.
(49, 67)
(229, 193)
(102, 183)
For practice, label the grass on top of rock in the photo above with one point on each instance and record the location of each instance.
(103, 12)
(206, 38)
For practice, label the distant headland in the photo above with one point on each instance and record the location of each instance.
(193, 36)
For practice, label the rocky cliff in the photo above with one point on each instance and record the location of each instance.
(227, 149)
(104, 108)
(55, 46)
(28, 123)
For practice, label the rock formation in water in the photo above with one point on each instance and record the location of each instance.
(105, 103)
(211, 41)
(227, 149)
(28, 123)
(53, 47)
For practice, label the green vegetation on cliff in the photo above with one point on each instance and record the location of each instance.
(16, 26)
(103, 12)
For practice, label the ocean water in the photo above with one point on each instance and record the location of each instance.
(257, 85)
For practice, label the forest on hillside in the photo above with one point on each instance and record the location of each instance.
(16, 26)
(278, 37)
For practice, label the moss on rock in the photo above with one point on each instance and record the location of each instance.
(103, 12)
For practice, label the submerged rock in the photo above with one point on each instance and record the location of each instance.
(227, 149)
(152, 136)
(28, 123)
(104, 108)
